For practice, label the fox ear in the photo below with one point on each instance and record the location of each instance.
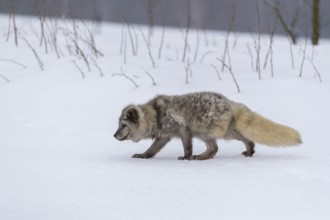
(132, 115)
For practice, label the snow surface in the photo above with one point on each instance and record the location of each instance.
(59, 159)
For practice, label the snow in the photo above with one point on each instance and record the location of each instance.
(59, 159)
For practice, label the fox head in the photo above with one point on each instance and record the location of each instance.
(128, 128)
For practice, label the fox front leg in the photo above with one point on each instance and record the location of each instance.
(186, 139)
(155, 147)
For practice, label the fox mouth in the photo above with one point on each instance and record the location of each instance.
(123, 138)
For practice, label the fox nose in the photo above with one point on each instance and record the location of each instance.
(116, 135)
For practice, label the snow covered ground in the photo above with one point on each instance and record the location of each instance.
(59, 159)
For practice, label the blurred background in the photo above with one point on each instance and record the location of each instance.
(238, 15)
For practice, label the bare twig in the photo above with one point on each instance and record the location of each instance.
(13, 61)
(149, 48)
(97, 67)
(12, 17)
(258, 42)
(10, 13)
(304, 57)
(53, 29)
(152, 78)
(136, 38)
(80, 53)
(231, 27)
(41, 64)
(125, 76)
(163, 30)
(42, 19)
(80, 70)
(197, 46)
(251, 56)
(188, 70)
(125, 47)
(291, 53)
(287, 27)
(313, 52)
(185, 48)
(205, 55)
(4, 78)
(122, 40)
(257, 48)
(316, 70)
(270, 49)
(206, 39)
(150, 18)
(134, 49)
(231, 73)
(90, 41)
(217, 71)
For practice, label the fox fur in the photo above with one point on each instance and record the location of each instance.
(204, 115)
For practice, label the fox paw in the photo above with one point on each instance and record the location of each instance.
(248, 153)
(142, 156)
(185, 158)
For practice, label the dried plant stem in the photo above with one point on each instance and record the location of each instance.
(125, 76)
(80, 53)
(122, 40)
(163, 31)
(13, 61)
(125, 48)
(287, 27)
(197, 46)
(12, 17)
(91, 41)
(270, 49)
(53, 29)
(15, 27)
(258, 42)
(303, 59)
(134, 47)
(42, 20)
(152, 78)
(291, 53)
(4, 78)
(316, 70)
(185, 48)
(205, 55)
(150, 13)
(97, 67)
(257, 48)
(251, 56)
(83, 75)
(188, 70)
(231, 27)
(149, 48)
(217, 71)
(41, 64)
(231, 73)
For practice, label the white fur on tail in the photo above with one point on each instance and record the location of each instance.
(262, 130)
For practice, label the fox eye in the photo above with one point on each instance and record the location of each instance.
(123, 126)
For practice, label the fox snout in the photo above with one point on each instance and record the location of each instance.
(119, 135)
(115, 135)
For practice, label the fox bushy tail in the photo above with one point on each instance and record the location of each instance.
(262, 130)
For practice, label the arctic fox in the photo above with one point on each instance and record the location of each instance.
(204, 115)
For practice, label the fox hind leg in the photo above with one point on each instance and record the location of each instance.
(249, 148)
(248, 144)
